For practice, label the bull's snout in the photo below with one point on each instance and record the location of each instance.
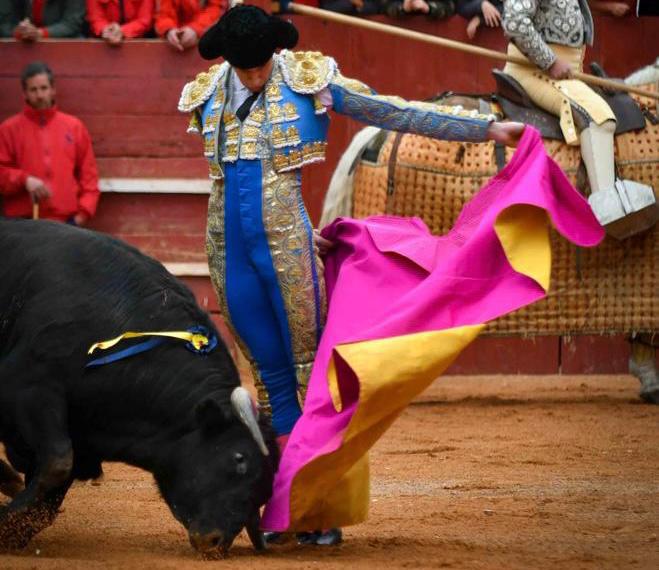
(210, 545)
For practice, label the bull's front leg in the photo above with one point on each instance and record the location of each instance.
(42, 425)
(19, 525)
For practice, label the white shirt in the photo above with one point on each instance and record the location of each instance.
(238, 93)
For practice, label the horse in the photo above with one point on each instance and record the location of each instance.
(607, 290)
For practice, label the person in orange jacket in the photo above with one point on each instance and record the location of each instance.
(182, 22)
(117, 20)
(46, 157)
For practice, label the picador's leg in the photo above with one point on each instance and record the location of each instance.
(642, 364)
(41, 421)
(11, 483)
(597, 153)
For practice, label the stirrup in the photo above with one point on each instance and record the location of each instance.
(626, 209)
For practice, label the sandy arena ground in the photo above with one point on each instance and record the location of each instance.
(480, 472)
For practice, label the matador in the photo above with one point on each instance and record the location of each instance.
(263, 116)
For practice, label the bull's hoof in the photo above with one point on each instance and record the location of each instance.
(12, 543)
(13, 535)
(216, 554)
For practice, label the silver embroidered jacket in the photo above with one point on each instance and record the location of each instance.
(532, 24)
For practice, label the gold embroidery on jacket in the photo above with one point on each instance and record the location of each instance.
(307, 71)
(197, 92)
(194, 126)
(290, 112)
(288, 231)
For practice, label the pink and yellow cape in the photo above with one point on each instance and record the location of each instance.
(402, 305)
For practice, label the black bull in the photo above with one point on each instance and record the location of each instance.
(167, 410)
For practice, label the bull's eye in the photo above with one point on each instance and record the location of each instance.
(241, 463)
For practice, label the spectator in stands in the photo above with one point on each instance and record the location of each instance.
(479, 12)
(117, 20)
(182, 22)
(434, 9)
(617, 9)
(47, 156)
(647, 8)
(353, 7)
(32, 21)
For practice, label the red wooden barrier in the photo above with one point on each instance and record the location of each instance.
(169, 227)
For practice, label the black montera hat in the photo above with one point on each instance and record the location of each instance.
(246, 37)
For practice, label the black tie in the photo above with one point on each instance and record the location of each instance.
(243, 110)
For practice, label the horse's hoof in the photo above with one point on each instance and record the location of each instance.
(648, 376)
(651, 396)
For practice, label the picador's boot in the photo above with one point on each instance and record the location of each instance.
(627, 209)
(624, 207)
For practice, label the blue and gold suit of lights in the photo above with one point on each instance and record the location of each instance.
(259, 238)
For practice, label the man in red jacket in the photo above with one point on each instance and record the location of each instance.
(47, 157)
(118, 20)
(182, 22)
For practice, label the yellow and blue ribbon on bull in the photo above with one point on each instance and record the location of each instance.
(197, 339)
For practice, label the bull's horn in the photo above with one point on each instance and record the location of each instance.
(242, 404)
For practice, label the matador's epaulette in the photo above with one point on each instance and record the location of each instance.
(307, 72)
(198, 91)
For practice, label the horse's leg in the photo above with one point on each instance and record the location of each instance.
(642, 364)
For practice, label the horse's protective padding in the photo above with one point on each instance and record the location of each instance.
(613, 288)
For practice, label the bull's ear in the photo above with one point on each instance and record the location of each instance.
(212, 415)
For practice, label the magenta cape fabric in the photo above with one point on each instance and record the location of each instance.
(388, 277)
